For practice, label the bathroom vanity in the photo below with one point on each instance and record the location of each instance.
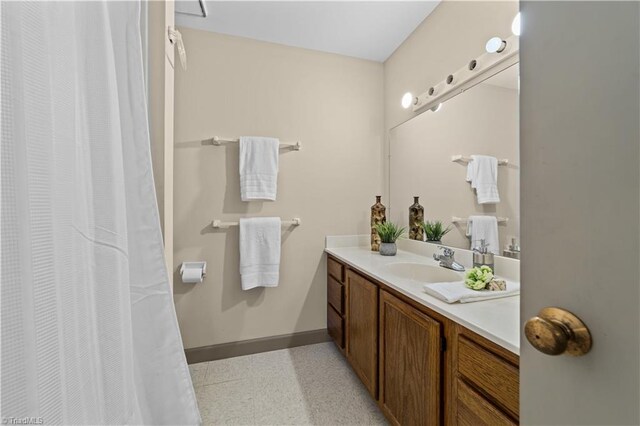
(424, 361)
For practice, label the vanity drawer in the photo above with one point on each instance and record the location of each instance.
(473, 410)
(335, 325)
(335, 269)
(335, 294)
(490, 373)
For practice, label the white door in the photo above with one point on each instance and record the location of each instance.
(580, 156)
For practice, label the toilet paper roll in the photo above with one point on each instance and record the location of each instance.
(193, 272)
(192, 275)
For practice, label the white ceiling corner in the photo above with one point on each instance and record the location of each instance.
(370, 30)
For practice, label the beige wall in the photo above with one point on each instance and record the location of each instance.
(334, 106)
(482, 120)
(453, 34)
(161, 107)
(156, 33)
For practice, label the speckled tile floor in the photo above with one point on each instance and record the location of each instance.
(307, 385)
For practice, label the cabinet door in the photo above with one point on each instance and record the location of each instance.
(497, 377)
(362, 329)
(410, 348)
(335, 326)
(473, 410)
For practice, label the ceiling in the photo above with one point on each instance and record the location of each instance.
(362, 29)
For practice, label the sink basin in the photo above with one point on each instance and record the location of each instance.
(423, 273)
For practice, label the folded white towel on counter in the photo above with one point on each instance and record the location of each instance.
(258, 168)
(484, 228)
(457, 291)
(259, 252)
(482, 172)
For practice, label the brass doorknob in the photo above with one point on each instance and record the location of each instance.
(556, 331)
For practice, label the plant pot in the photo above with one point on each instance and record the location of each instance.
(388, 249)
(434, 242)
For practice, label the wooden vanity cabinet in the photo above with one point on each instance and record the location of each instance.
(472, 409)
(485, 381)
(421, 367)
(336, 302)
(410, 360)
(362, 329)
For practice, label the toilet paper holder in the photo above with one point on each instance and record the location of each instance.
(201, 266)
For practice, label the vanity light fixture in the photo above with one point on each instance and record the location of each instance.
(495, 45)
(516, 25)
(437, 108)
(474, 71)
(407, 100)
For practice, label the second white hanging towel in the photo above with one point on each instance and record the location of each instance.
(482, 172)
(259, 252)
(258, 168)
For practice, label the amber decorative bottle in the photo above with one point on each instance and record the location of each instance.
(416, 217)
(378, 215)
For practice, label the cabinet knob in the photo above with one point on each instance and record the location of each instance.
(556, 331)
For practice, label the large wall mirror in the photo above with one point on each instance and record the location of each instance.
(482, 120)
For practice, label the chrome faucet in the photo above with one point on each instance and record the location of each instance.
(446, 259)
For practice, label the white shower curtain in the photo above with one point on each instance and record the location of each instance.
(88, 328)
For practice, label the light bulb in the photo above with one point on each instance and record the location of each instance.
(407, 100)
(495, 44)
(437, 108)
(516, 25)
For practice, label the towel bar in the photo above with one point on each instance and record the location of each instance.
(456, 219)
(218, 141)
(217, 223)
(463, 159)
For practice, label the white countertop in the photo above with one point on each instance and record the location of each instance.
(497, 320)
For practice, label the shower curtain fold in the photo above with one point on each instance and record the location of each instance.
(89, 333)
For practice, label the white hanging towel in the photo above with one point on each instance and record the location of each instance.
(259, 252)
(482, 172)
(258, 168)
(484, 228)
(452, 292)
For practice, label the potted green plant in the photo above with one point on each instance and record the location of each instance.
(389, 233)
(434, 231)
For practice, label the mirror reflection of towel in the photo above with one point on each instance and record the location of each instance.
(482, 172)
(484, 228)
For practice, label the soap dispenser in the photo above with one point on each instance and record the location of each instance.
(482, 256)
(513, 251)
